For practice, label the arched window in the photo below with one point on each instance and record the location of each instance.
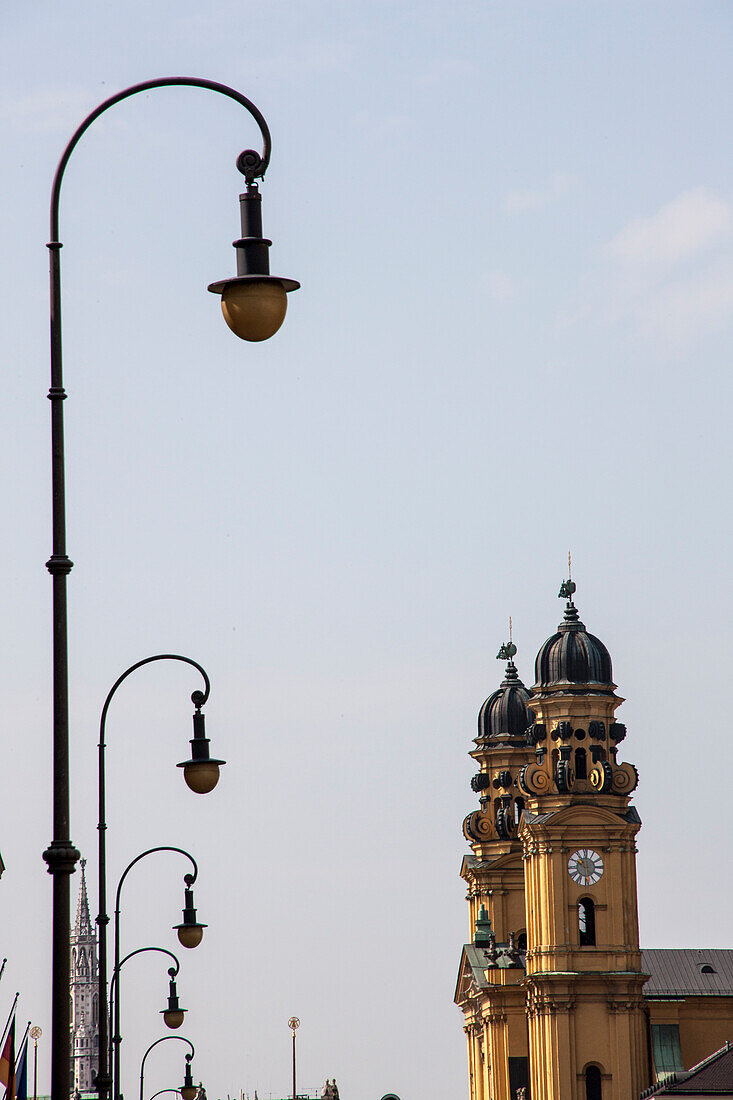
(586, 923)
(522, 941)
(593, 1087)
(518, 807)
(581, 769)
(95, 1009)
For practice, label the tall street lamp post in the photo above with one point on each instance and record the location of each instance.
(253, 303)
(190, 933)
(201, 773)
(294, 1024)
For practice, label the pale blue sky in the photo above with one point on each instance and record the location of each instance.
(513, 224)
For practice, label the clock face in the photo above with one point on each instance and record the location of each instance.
(585, 867)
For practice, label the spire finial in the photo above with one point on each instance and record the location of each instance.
(506, 653)
(83, 924)
(567, 589)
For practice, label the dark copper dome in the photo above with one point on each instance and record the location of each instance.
(572, 655)
(504, 714)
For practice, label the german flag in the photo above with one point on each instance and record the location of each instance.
(7, 1064)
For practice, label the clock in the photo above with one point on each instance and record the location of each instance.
(585, 867)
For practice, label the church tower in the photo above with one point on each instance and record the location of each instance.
(551, 986)
(84, 996)
(496, 1029)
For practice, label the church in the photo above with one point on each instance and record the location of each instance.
(84, 998)
(559, 1000)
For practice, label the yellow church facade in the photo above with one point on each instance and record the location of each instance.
(559, 1001)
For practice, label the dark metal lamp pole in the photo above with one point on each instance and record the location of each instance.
(253, 306)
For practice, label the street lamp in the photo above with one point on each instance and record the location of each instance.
(187, 1090)
(173, 1014)
(294, 1024)
(252, 303)
(190, 931)
(190, 927)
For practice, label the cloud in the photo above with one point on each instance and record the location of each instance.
(689, 307)
(681, 228)
(666, 278)
(555, 188)
(499, 285)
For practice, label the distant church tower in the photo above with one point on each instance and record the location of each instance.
(551, 984)
(84, 996)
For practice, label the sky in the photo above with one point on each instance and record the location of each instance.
(513, 226)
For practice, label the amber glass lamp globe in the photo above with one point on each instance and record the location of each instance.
(201, 775)
(173, 1017)
(254, 309)
(190, 935)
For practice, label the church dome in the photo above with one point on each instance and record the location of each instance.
(505, 714)
(572, 654)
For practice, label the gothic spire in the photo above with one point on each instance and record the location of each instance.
(83, 924)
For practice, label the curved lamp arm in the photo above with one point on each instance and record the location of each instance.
(172, 972)
(251, 164)
(181, 1038)
(189, 879)
(163, 950)
(160, 1092)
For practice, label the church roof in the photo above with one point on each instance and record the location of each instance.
(571, 654)
(712, 1077)
(504, 713)
(688, 972)
(673, 972)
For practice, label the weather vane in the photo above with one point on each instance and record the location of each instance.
(567, 588)
(508, 649)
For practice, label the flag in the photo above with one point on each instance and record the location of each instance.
(21, 1074)
(7, 1063)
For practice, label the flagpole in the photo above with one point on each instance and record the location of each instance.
(23, 1041)
(10, 1088)
(36, 1034)
(10, 1016)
